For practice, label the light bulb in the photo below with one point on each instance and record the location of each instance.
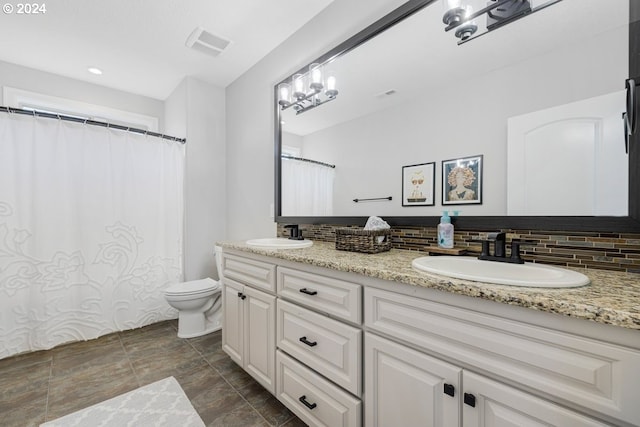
(315, 77)
(454, 12)
(331, 83)
(298, 86)
(284, 94)
(450, 4)
(331, 87)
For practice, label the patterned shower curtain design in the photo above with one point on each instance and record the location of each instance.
(90, 231)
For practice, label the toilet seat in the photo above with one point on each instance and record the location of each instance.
(193, 287)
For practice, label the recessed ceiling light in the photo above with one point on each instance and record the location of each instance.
(94, 70)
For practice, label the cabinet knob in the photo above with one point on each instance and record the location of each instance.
(449, 389)
(307, 342)
(308, 292)
(470, 399)
(303, 399)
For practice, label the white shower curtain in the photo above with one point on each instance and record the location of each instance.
(90, 230)
(307, 188)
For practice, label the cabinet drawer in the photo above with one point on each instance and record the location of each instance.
(325, 345)
(559, 366)
(312, 398)
(258, 274)
(333, 296)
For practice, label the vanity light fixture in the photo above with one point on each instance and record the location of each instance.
(305, 90)
(463, 15)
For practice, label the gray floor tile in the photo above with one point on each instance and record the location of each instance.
(23, 394)
(240, 416)
(70, 395)
(25, 359)
(41, 386)
(266, 404)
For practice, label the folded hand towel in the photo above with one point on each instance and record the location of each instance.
(376, 223)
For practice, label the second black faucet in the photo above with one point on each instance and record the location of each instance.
(294, 232)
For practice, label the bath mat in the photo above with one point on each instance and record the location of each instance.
(162, 403)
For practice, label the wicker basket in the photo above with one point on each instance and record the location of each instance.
(365, 241)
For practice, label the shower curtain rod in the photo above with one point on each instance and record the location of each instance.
(37, 113)
(302, 159)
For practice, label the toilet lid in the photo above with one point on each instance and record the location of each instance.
(193, 287)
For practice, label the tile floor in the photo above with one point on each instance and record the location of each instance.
(45, 385)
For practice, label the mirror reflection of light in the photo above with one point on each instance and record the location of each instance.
(284, 92)
(331, 83)
(298, 85)
(315, 71)
(451, 4)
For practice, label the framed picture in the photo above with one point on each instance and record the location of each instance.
(418, 184)
(462, 181)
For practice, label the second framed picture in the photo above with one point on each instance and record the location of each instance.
(462, 181)
(418, 184)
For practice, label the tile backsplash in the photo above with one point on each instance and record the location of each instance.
(605, 251)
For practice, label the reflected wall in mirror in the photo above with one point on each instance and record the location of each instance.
(412, 95)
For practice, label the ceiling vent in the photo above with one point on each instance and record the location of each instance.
(205, 42)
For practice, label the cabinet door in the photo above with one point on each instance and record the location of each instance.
(232, 320)
(404, 387)
(489, 403)
(259, 339)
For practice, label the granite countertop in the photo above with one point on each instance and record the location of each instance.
(612, 297)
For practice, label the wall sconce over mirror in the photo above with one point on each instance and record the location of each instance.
(304, 92)
(464, 16)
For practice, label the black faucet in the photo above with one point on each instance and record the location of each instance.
(294, 232)
(499, 248)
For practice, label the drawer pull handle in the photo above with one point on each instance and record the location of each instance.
(470, 400)
(303, 399)
(449, 389)
(307, 342)
(308, 292)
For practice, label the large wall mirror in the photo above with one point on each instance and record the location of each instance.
(539, 101)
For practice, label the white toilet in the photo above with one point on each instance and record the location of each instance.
(199, 304)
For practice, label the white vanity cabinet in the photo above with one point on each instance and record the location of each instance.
(319, 360)
(569, 380)
(409, 388)
(343, 350)
(249, 317)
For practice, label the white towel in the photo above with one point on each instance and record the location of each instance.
(376, 223)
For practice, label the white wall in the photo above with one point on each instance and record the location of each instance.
(250, 114)
(19, 77)
(197, 110)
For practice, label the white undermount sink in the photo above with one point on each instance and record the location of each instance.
(278, 243)
(502, 273)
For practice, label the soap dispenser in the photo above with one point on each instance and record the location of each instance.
(445, 231)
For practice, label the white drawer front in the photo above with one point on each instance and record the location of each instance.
(325, 345)
(336, 297)
(326, 404)
(258, 274)
(592, 374)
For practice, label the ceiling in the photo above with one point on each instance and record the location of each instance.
(140, 45)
